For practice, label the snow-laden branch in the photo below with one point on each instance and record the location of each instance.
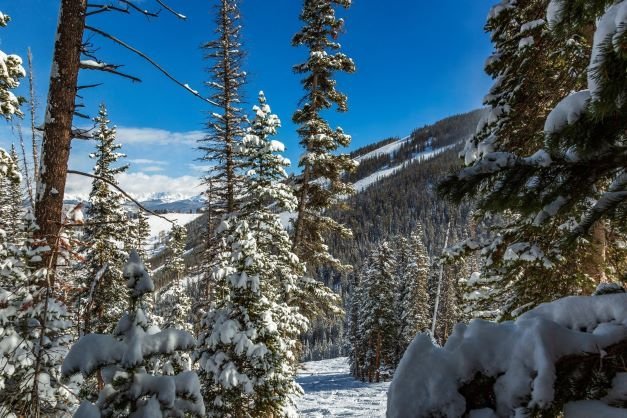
(150, 60)
(109, 68)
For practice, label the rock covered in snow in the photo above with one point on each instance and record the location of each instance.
(520, 355)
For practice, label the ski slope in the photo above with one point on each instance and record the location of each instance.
(366, 182)
(330, 391)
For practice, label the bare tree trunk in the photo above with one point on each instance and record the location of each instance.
(58, 123)
(32, 104)
(597, 258)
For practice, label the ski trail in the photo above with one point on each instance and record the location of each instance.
(330, 391)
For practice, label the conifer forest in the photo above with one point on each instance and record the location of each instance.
(313, 208)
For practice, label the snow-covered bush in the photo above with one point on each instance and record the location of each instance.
(121, 360)
(558, 356)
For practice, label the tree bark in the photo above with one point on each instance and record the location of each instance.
(57, 135)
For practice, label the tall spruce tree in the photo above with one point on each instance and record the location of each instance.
(520, 177)
(321, 185)
(225, 130)
(248, 355)
(378, 322)
(413, 298)
(107, 227)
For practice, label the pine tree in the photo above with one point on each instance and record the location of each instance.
(521, 178)
(225, 131)
(104, 300)
(413, 304)
(248, 368)
(33, 333)
(122, 358)
(248, 355)
(378, 325)
(322, 184)
(173, 302)
(11, 204)
(11, 71)
(355, 338)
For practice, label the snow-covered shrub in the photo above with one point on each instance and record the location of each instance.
(550, 359)
(121, 360)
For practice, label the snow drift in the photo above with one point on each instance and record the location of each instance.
(518, 356)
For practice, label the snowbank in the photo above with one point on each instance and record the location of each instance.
(519, 355)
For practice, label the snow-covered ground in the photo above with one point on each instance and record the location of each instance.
(159, 227)
(330, 391)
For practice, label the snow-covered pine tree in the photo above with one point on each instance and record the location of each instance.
(247, 366)
(11, 203)
(174, 304)
(138, 234)
(225, 130)
(356, 349)
(33, 333)
(123, 357)
(413, 302)
(513, 169)
(249, 353)
(378, 325)
(321, 185)
(107, 229)
(11, 71)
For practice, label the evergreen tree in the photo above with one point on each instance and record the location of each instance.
(247, 367)
(321, 185)
(248, 353)
(413, 304)
(173, 302)
(104, 300)
(225, 131)
(11, 71)
(33, 333)
(121, 359)
(378, 325)
(355, 338)
(11, 207)
(520, 173)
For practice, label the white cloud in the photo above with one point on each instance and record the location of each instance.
(141, 186)
(147, 161)
(152, 168)
(129, 135)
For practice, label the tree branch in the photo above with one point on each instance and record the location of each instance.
(108, 68)
(169, 9)
(139, 205)
(139, 9)
(151, 61)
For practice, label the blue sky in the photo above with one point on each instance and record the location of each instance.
(417, 62)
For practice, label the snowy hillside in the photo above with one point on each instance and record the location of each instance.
(388, 171)
(159, 227)
(330, 391)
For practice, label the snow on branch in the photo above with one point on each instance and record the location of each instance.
(515, 361)
(109, 68)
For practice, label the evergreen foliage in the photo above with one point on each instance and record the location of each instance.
(34, 331)
(533, 178)
(11, 71)
(322, 184)
(248, 355)
(107, 227)
(121, 360)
